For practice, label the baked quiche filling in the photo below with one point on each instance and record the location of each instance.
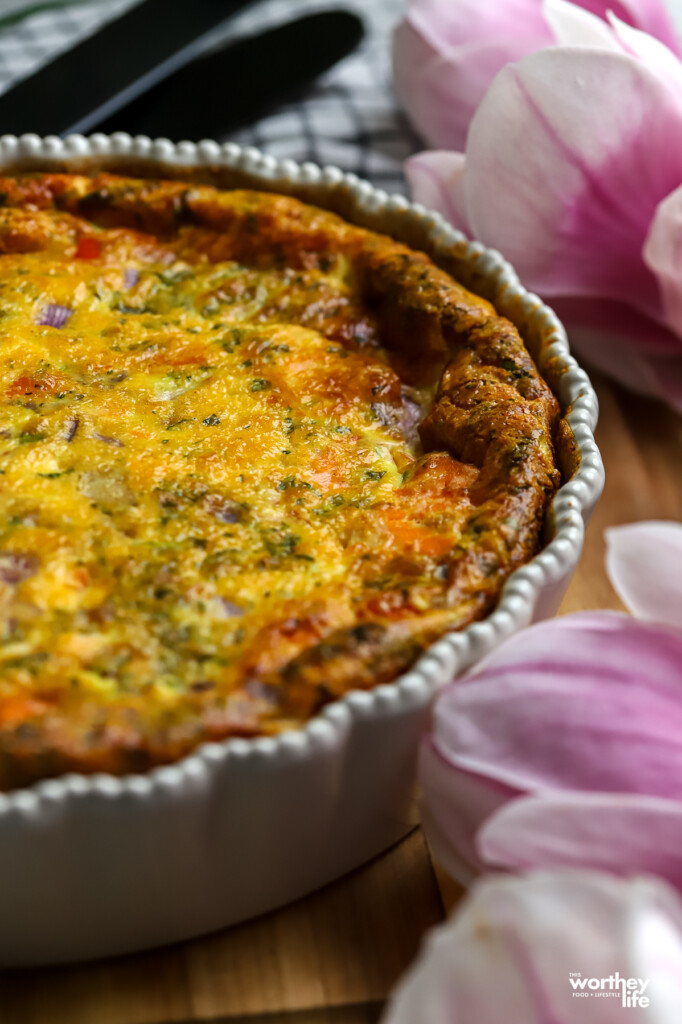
(251, 457)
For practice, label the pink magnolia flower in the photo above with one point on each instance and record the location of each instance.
(446, 53)
(553, 947)
(564, 747)
(573, 170)
(644, 563)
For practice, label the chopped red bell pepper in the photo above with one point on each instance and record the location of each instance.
(88, 249)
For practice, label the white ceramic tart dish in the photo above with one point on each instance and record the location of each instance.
(98, 865)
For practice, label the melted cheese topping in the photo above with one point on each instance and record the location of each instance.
(215, 511)
(192, 488)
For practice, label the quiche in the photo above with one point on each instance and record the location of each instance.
(252, 457)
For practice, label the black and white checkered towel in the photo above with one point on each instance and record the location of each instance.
(349, 117)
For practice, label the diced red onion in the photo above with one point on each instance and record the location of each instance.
(201, 686)
(71, 428)
(228, 515)
(53, 315)
(108, 440)
(263, 691)
(224, 509)
(412, 412)
(384, 413)
(230, 609)
(131, 277)
(17, 568)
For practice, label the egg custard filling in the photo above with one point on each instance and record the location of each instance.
(251, 457)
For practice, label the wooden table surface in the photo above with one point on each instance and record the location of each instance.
(332, 957)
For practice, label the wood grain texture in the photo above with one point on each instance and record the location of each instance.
(641, 443)
(333, 957)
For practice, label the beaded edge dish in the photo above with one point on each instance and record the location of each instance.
(276, 816)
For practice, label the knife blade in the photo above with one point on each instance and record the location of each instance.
(129, 54)
(236, 85)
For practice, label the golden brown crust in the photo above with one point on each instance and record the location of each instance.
(293, 538)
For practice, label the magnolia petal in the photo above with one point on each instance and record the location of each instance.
(572, 214)
(424, 82)
(659, 376)
(591, 701)
(644, 563)
(574, 26)
(441, 90)
(655, 945)
(625, 345)
(617, 321)
(446, 54)
(450, 980)
(650, 16)
(507, 953)
(609, 832)
(454, 805)
(436, 179)
(653, 52)
(469, 21)
(663, 255)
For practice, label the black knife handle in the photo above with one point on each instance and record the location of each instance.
(234, 86)
(103, 72)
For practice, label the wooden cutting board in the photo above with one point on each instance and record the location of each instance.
(333, 957)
